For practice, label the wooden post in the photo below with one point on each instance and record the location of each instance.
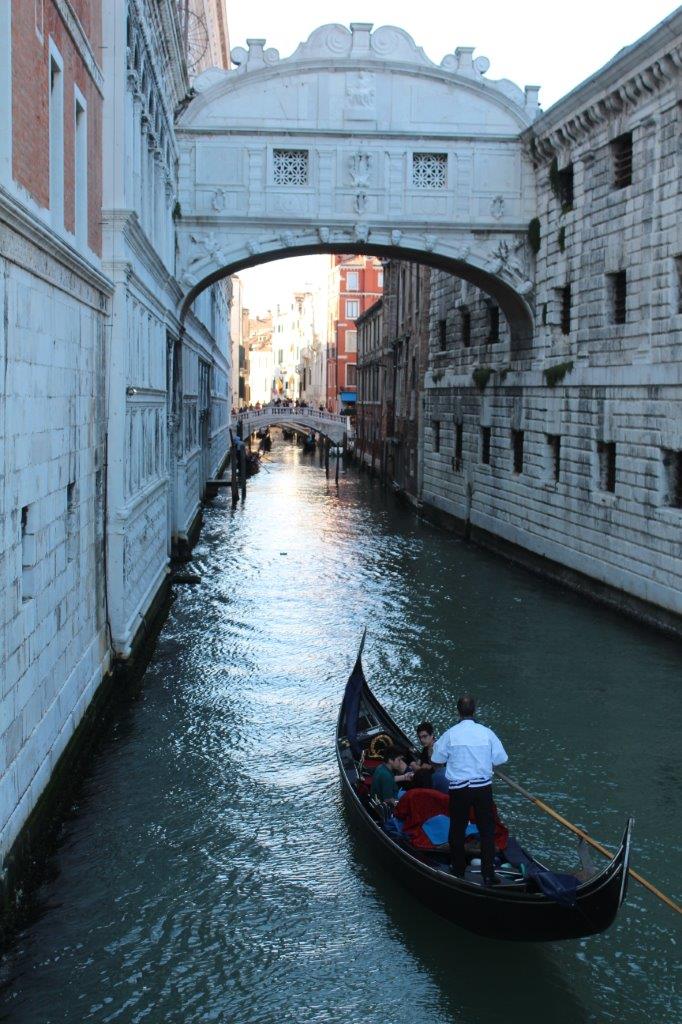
(336, 475)
(242, 470)
(327, 445)
(233, 471)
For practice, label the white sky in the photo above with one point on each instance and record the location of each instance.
(533, 42)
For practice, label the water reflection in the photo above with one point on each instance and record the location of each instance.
(209, 872)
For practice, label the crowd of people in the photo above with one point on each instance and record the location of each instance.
(276, 403)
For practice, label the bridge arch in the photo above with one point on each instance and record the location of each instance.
(359, 143)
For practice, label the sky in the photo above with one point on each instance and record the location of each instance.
(532, 42)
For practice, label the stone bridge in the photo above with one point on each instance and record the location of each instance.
(329, 424)
(358, 142)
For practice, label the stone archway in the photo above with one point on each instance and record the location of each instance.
(358, 142)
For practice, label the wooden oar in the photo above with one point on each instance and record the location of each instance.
(588, 839)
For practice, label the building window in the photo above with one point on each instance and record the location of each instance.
(466, 327)
(493, 322)
(565, 187)
(459, 446)
(672, 477)
(430, 170)
(351, 341)
(351, 375)
(565, 303)
(436, 435)
(621, 155)
(554, 452)
(290, 166)
(56, 155)
(352, 309)
(617, 286)
(442, 334)
(517, 450)
(352, 281)
(485, 445)
(606, 454)
(81, 171)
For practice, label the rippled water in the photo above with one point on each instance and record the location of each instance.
(209, 872)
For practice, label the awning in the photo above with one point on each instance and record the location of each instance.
(348, 396)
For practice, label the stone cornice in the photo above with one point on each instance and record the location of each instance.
(49, 246)
(80, 41)
(633, 76)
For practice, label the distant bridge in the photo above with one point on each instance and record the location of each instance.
(304, 419)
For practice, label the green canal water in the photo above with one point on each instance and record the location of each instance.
(208, 871)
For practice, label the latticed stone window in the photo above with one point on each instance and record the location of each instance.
(430, 170)
(290, 166)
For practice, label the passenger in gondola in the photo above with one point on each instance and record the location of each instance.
(426, 775)
(387, 775)
(469, 752)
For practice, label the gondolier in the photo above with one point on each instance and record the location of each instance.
(469, 752)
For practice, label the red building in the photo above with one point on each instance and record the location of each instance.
(357, 284)
(56, 114)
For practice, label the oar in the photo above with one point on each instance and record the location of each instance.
(588, 839)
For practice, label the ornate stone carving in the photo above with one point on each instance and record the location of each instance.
(207, 253)
(430, 242)
(360, 92)
(497, 207)
(253, 246)
(218, 200)
(361, 232)
(287, 239)
(360, 202)
(396, 237)
(323, 234)
(360, 169)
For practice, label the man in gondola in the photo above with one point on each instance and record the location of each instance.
(469, 752)
(388, 774)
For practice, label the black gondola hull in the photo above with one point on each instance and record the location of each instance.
(501, 912)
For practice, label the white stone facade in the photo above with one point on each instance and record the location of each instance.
(599, 489)
(169, 403)
(115, 405)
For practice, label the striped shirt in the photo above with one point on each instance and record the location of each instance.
(469, 752)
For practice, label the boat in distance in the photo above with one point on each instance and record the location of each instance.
(517, 908)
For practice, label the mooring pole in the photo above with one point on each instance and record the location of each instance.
(336, 474)
(234, 483)
(242, 470)
(327, 445)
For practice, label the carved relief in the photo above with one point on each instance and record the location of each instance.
(497, 207)
(360, 202)
(361, 232)
(360, 94)
(207, 252)
(360, 169)
(430, 242)
(323, 234)
(396, 237)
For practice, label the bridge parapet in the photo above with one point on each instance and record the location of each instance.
(329, 424)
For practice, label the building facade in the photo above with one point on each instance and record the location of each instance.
(116, 404)
(572, 459)
(357, 284)
(54, 310)
(261, 359)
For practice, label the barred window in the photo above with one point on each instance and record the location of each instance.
(430, 170)
(621, 154)
(606, 454)
(618, 292)
(672, 467)
(290, 166)
(485, 445)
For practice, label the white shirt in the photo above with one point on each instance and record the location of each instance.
(469, 751)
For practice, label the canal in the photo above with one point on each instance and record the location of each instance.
(208, 872)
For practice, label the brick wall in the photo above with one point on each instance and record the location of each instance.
(30, 106)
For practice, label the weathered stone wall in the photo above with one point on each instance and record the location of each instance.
(616, 393)
(53, 640)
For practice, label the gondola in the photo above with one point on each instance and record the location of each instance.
(516, 908)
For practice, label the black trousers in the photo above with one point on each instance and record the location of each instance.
(481, 799)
